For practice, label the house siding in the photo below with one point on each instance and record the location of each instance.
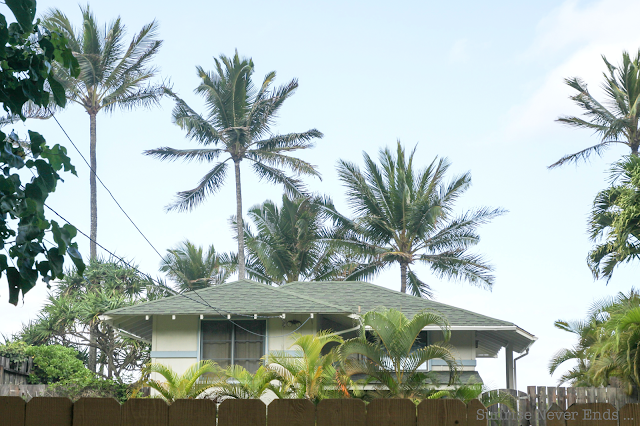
(175, 343)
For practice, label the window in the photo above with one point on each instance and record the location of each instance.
(226, 343)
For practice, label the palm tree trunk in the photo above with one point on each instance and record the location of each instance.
(634, 149)
(403, 276)
(93, 188)
(239, 224)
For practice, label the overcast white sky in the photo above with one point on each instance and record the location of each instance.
(480, 83)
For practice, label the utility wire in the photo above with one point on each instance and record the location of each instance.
(219, 311)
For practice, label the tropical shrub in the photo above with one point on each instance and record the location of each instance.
(190, 385)
(389, 353)
(56, 363)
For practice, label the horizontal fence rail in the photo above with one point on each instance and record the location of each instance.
(41, 411)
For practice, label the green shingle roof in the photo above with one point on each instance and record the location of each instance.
(247, 297)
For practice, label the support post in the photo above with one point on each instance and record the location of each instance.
(509, 364)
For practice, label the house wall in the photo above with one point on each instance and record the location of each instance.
(175, 343)
(279, 332)
(464, 342)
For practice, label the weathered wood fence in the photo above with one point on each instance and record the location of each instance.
(12, 373)
(539, 399)
(14, 411)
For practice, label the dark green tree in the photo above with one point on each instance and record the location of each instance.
(237, 127)
(191, 267)
(72, 313)
(295, 241)
(112, 75)
(615, 120)
(28, 55)
(615, 220)
(405, 216)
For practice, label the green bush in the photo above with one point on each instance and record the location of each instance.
(16, 352)
(56, 363)
(80, 387)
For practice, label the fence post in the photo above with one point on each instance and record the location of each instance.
(242, 412)
(442, 412)
(49, 412)
(13, 410)
(477, 414)
(391, 412)
(192, 412)
(96, 412)
(145, 412)
(340, 412)
(291, 412)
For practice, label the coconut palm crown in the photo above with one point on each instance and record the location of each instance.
(236, 128)
(112, 75)
(405, 216)
(615, 120)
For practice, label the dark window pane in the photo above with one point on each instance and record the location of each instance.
(216, 330)
(216, 351)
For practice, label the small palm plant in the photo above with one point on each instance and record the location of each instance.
(185, 386)
(309, 373)
(239, 383)
(388, 352)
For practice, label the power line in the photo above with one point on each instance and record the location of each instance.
(219, 311)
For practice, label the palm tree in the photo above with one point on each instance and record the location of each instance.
(186, 386)
(615, 220)
(237, 123)
(587, 332)
(616, 120)
(244, 385)
(295, 241)
(111, 76)
(194, 268)
(310, 373)
(388, 351)
(405, 216)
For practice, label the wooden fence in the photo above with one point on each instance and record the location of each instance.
(14, 411)
(12, 373)
(538, 400)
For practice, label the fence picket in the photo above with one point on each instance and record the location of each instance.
(477, 414)
(48, 412)
(96, 412)
(13, 410)
(442, 412)
(629, 415)
(533, 405)
(242, 412)
(291, 412)
(391, 412)
(341, 412)
(562, 398)
(555, 415)
(592, 414)
(572, 396)
(192, 412)
(145, 412)
(542, 406)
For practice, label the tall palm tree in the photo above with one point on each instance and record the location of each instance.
(111, 76)
(193, 268)
(295, 241)
(237, 123)
(587, 333)
(405, 216)
(615, 121)
(388, 351)
(615, 220)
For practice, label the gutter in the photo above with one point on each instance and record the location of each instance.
(515, 375)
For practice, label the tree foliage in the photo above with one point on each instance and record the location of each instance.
(190, 385)
(29, 55)
(299, 240)
(236, 128)
(391, 352)
(71, 316)
(615, 220)
(404, 216)
(615, 120)
(192, 268)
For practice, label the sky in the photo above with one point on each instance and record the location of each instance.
(479, 83)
